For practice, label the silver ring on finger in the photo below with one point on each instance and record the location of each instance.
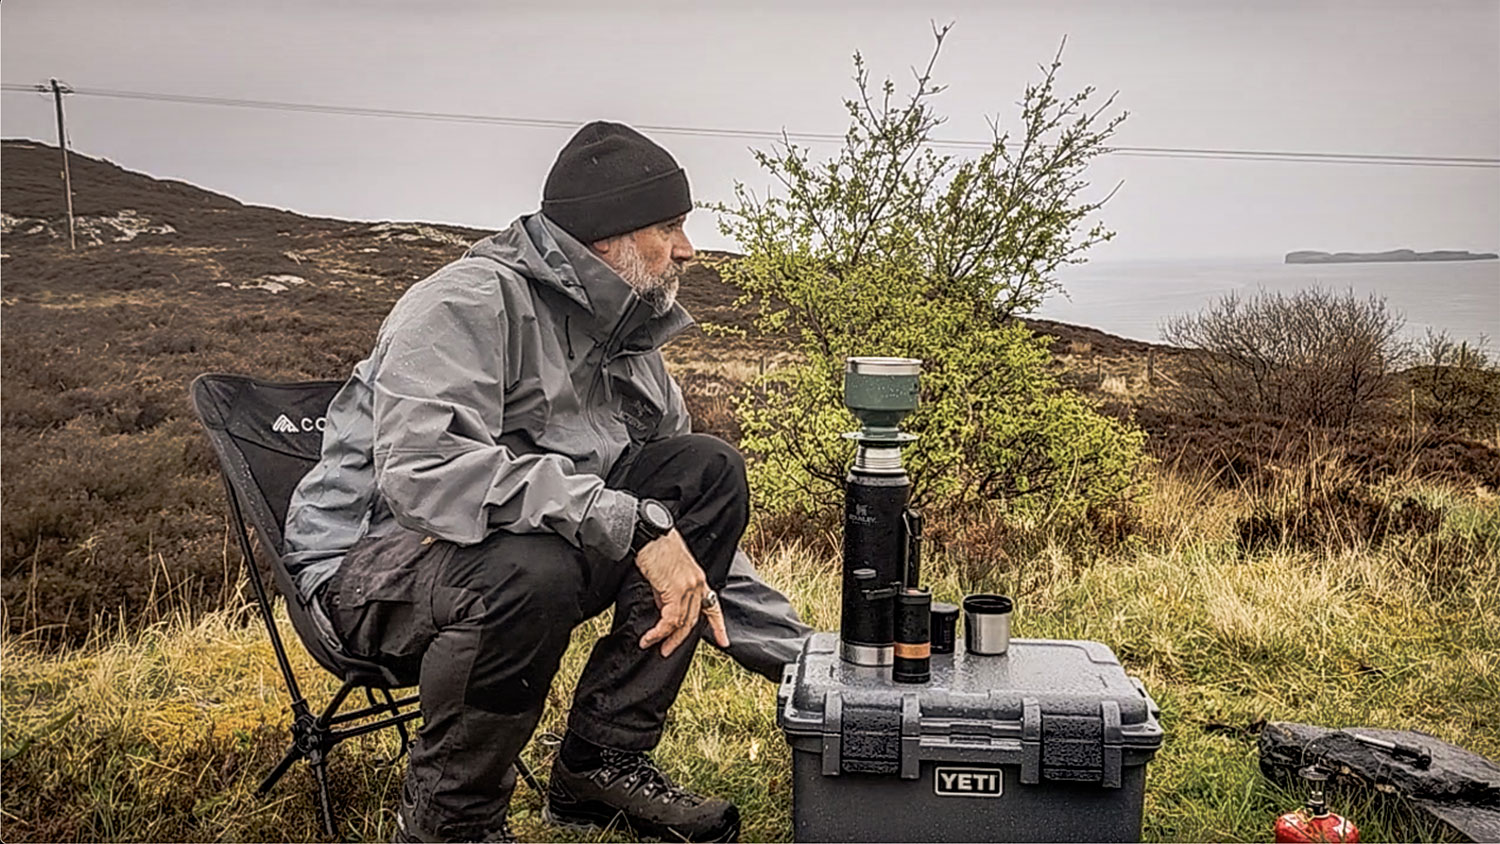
(710, 599)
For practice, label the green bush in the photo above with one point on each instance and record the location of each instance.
(892, 249)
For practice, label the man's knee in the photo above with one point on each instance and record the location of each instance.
(504, 611)
(720, 461)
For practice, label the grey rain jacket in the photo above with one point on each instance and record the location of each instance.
(501, 391)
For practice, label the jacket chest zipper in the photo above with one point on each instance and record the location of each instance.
(590, 408)
(606, 357)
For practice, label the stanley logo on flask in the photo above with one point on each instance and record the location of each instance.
(967, 782)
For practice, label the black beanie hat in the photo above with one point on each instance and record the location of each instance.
(611, 179)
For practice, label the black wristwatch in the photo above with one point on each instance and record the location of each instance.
(652, 521)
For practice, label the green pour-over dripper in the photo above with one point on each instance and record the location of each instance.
(881, 392)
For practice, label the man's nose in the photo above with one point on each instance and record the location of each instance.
(682, 248)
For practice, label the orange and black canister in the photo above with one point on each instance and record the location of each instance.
(913, 636)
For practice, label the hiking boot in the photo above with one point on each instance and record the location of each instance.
(627, 788)
(409, 832)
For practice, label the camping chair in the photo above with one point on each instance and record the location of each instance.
(266, 436)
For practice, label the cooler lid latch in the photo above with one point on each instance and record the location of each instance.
(833, 733)
(1031, 741)
(1072, 747)
(1080, 747)
(865, 736)
(911, 736)
(1114, 752)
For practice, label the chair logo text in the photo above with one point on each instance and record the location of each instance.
(284, 424)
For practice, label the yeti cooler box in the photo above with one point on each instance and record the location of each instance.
(1048, 742)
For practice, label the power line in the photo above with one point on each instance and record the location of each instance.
(817, 137)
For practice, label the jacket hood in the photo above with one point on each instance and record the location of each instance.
(539, 250)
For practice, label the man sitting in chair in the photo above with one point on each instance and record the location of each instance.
(511, 460)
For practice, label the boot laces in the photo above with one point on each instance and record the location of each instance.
(638, 774)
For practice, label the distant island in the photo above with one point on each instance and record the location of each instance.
(1308, 256)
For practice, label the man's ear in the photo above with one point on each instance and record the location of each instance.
(601, 247)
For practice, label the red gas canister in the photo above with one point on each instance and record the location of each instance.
(1314, 823)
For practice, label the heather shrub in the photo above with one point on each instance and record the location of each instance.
(95, 521)
(1456, 386)
(1312, 356)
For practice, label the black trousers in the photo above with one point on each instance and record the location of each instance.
(482, 629)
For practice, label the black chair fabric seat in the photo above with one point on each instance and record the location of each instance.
(266, 436)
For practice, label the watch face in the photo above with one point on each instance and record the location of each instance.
(659, 516)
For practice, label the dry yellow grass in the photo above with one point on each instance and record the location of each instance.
(172, 726)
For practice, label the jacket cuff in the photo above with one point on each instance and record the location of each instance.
(610, 525)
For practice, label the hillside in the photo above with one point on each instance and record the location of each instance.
(111, 497)
(174, 236)
(1262, 575)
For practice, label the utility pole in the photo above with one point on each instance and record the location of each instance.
(62, 142)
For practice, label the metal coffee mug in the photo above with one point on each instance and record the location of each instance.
(987, 624)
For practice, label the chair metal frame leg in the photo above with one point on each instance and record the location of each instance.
(314, 737)
(524, 770)
(529, 778)
(390, 706)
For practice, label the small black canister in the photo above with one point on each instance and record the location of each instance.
(913, 642)
(944, 627)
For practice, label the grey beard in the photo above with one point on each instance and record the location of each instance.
(657, 291)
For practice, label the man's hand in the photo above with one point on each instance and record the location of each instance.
(679, 586)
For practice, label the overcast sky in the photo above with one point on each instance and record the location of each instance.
(1391, 77)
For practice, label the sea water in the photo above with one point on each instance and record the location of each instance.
(1134, 298)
